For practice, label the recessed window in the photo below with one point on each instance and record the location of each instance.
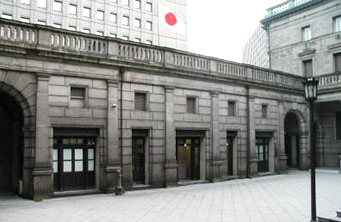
(41, 3)
(137, 3)
(337, 62)
(72, 28)
(113, 17)
(264, 111)
(77, 98)
(113, 35)
(137, 23)
(73, 9)
(57, 25)
(306, 33)
(140, 101)
(337, 24)
(125, 37)
(149, 6)
(7, 16)
(125, 2)
(149, 25)
(86, 30)
(100, 15)
(149, 42)
(338, 125)
(23, 19)
(308, 68)
(25, 2)
(41, 22)
(125, 20)
(137, 39)
(231, 108)
(100, 33)
(57, 6)
(86, 12)
(191, 104)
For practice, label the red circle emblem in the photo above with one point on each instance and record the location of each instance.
(170, 19)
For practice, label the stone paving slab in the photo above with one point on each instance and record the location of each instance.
(276, 198)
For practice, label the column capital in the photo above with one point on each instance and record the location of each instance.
(214, 93)
(112, 83)
(43, 76)
(169, 89)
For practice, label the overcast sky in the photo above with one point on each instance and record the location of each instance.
(220, 28)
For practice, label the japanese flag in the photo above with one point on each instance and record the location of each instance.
(170, 20)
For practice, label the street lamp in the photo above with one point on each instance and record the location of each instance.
(310, 93)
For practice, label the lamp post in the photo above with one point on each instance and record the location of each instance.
(310, 93)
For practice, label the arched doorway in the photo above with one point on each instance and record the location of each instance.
(292, 140)
(11, 143)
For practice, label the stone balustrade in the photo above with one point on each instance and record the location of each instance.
(285, 6)
(329, 81)
(48, 39)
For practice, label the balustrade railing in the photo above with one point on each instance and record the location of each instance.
(286, 6)
(329, 81)
(63, 41)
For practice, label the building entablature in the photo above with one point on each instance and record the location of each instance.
(36, 41)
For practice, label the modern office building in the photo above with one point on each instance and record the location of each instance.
(255, 51)
(134, 20)
(304, 39)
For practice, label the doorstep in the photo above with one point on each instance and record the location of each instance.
(190, 182)
(75, 192)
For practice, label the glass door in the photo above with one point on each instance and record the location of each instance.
(262, 153)
(139, 160)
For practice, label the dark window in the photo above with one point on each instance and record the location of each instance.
(338, 125)
(337, 60)
(264, 111)
(77, 97)
(140, 101)
(190, 104)
(308, 68)
(231, 108)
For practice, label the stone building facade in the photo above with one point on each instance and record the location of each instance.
(134, 20)
(305, 40)
(80, 108)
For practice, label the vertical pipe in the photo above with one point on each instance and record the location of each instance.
(248, 173)
(121, 119)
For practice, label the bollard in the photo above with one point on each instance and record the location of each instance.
(119, 189)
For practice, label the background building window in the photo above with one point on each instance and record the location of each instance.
(149, 42)
(72, 28)
(56, 25)
(41, 3)
(149, 25)
(125, 37)
(100, 15)
(190, 101)
(77, 99)
(337, 61)
(137, 3)
(86, 30)
(306, 33)
(23, 19)
(149, 6)
(25, 2)
(140, 101)
(337, 24)
(125, 2)
(41, 22)
(57, 6)
(264, 111)
(308, 68)
(137, 39)
(125, 20)
(338, 125)
(101, 33)
(113, 17)
(113, 35)
(86, 12)
(7, 16)
(73, 9)
(231, 108)
(137, 23)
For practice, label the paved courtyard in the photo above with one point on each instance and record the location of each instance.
(273, 198)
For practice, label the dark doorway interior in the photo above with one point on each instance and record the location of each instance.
(188, 157)
(262, 151)
(11, 144)
(139, 152)
(292, 149)
(230, 141)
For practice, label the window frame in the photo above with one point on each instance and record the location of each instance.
(146, 100)
(303, 33)
(265, 111)
(73, 6)
(139, 4)
(111, 16)
(125, 20)
(86, 9)
(137, 23)
(55, 2)
(304, 67)
(337, 68)
(234, 102)
(151, 7)
(40, 5)
(195, 104)
(84, 98)
(335, 27)
(100, 12)
(149, 25)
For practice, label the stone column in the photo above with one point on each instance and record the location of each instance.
(42, 172)
(171, 165)
(216, 162)
(113, 153)
(252, 137)
(282, 157)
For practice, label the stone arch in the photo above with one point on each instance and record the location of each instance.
(18, 91)
(296, 144)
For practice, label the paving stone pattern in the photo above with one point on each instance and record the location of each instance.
(272, 198)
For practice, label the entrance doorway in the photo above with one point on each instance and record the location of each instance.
(74, 163)
(11, 145)
(292, 141)
(139, 159)
(188, 157)
(230, 156)
(262, 152)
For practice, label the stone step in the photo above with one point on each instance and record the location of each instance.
(331, 219)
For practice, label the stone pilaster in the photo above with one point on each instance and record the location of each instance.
(113, 153)
(215, 137)
(252, 138)
(171, 166)
(282, 157)
(42, 172)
